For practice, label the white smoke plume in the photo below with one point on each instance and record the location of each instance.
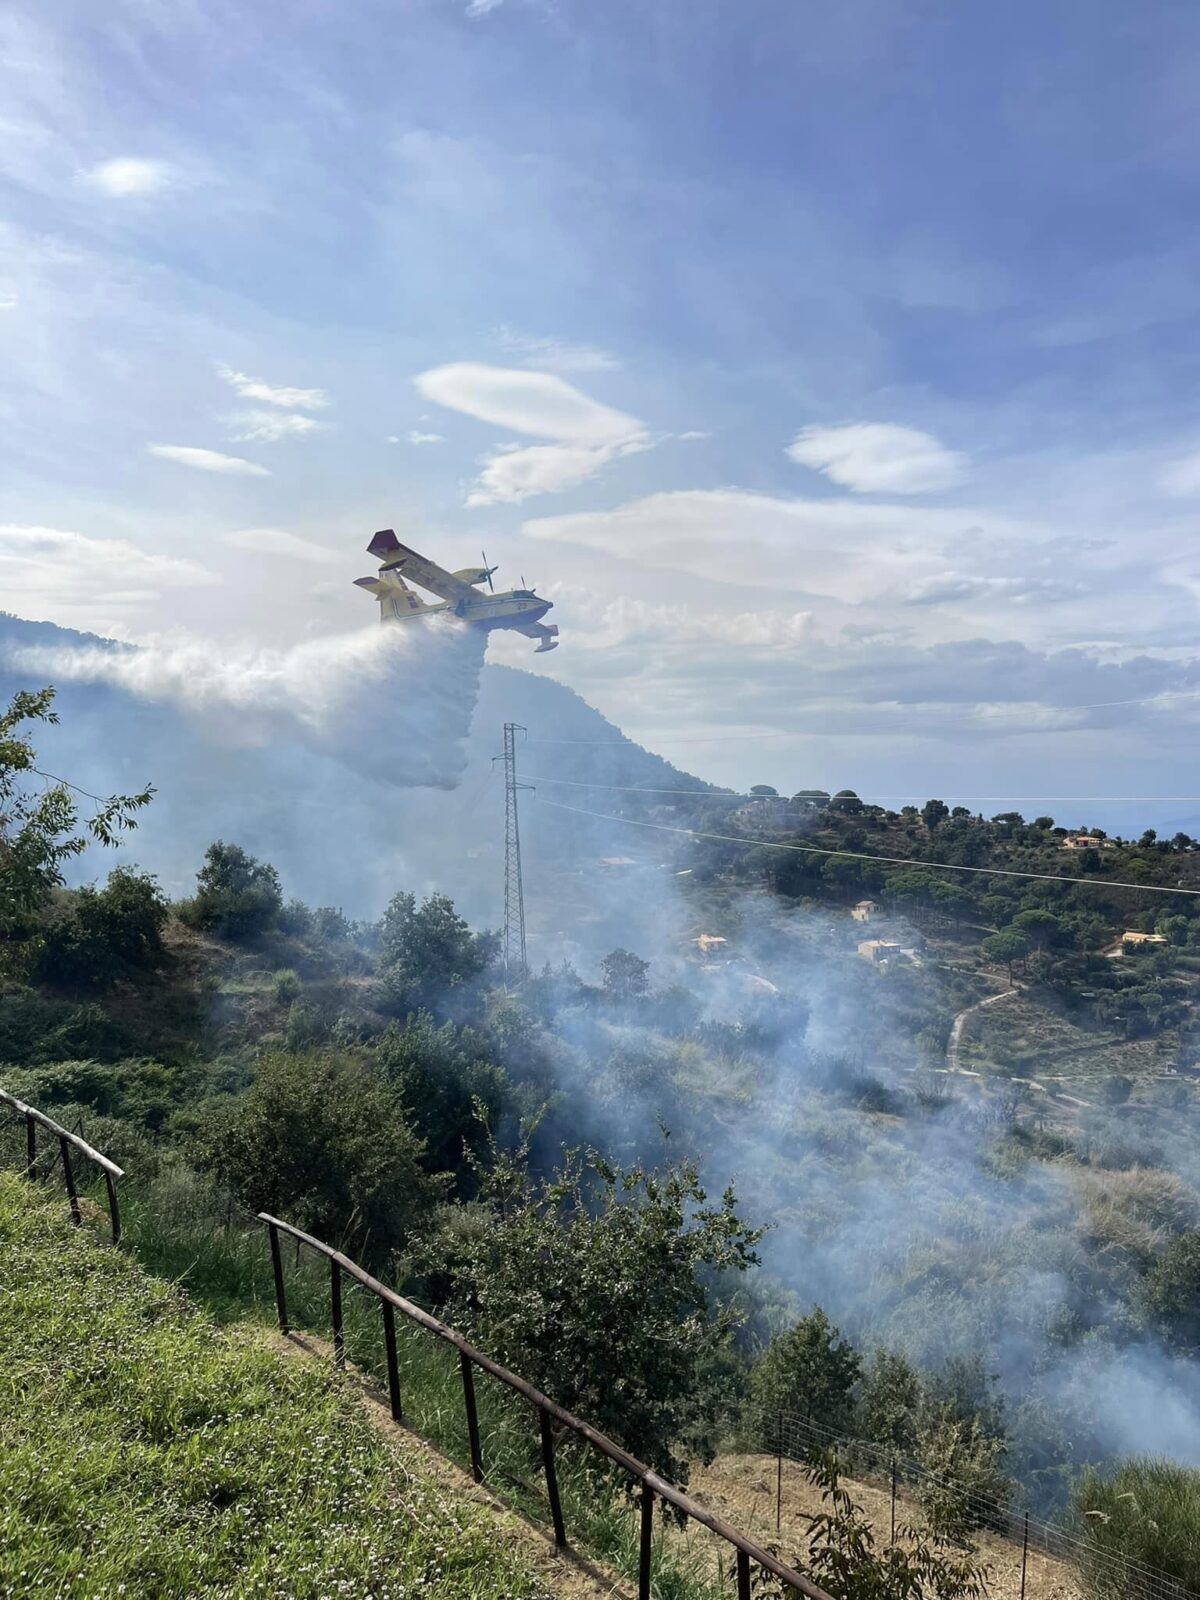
(391, 703)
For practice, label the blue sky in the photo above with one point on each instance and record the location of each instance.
(833, 368)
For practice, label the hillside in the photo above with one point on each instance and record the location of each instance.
(148, 1452)
(339, 837)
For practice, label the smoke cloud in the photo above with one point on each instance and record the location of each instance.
(390, 703)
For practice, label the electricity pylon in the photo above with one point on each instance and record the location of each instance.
(516, 965)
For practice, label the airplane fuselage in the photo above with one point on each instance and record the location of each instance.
(488, 611)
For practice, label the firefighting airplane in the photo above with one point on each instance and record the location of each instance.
(517, 608)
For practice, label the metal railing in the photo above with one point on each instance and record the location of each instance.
(548, 1413)
(67, 1141)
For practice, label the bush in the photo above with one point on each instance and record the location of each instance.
(236, 897)
(593, 1286)
(809, 1373)
(1146, 1511)
(322, 1140)
(963, 1486)
(429, 958)
(1170, 1291)
(889, 1402)
(452, 1091)
(107, 934)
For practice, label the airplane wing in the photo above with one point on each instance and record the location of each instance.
(547, 632)
(418, 569)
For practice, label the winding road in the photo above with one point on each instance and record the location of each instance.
(956, 1032)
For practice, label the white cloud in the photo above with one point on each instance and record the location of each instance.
(273, 394)
(1181, 479)
(279, 542)
(587, 435)
(130, 175)
(480, 8)
(85, 579)
(270, 425)
(879, 458)
(556, 355)
(208, 460)
(8, 297)
(415, 436)
(696, 433)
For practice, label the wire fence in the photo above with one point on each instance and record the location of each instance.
(905, 1488)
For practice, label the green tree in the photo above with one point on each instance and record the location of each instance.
(626, 976)
(237, 897)
(452, 1091)
(323, 1140)
(934, 813)
(106, 934)
(764, 791)
(889, 1402)
(40, 832)
(810, 1373)
(1170, 1291)
(963, 1485)
(429, 958)
(1006, 948)
(847, 802)
(1040, 927)
(594, 1286)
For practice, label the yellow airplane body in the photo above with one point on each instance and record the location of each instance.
(519, 609)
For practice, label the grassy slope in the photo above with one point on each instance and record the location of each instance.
(149, 1452)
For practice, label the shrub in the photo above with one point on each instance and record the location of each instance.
(889, 1402)
(236, 897)
(1146, 1511)
(107, 934)
(322, 1140)
(963, 1486)
(810, 1373)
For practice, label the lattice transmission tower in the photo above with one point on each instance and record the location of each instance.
(516, 965)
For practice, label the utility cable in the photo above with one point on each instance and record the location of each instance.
(858, 855)
(869, 796)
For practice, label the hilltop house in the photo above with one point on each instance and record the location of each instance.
(1086, 841)
(864, 911)
(1133, 939)
(875, 950)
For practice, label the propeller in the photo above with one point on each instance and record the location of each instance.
(487, 572)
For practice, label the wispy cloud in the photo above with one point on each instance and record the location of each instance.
(415, 436)
(480, 8)
(279, 542)
(75, 575)
(556, 355)
(695, 433)
(273, 394)
(586, 435)
(125, 176)
(879, 458)
(1181, 478)
(208, 460)
(268, 426)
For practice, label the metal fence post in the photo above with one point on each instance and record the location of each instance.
(779, 1472)
(560, 1532)
(114, 1213)
(893, 1499)
(393, 1366)
(30, 1147)
(468, 1378)
(69, 1176)
(647, 1542)
(743, 1576)
(277, 1269)
(1024, 1554)
(335, 1306)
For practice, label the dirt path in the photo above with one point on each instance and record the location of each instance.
(565, 1573)
(743, 1488)
(954, 1042)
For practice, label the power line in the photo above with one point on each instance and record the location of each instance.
(858, 855)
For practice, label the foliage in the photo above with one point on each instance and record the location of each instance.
(323, 1140)
(626, 976)
(1006, 948)
(963, 1485)
(149, 1453)
(237, 897)
(105, 934)
(430, 959)
(592, 1285)
(844, 1557)
(1170, 1291)
(38, 834)
(453, 1092)
(1146, 1511)
(809, 1372)
(889, 1402)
